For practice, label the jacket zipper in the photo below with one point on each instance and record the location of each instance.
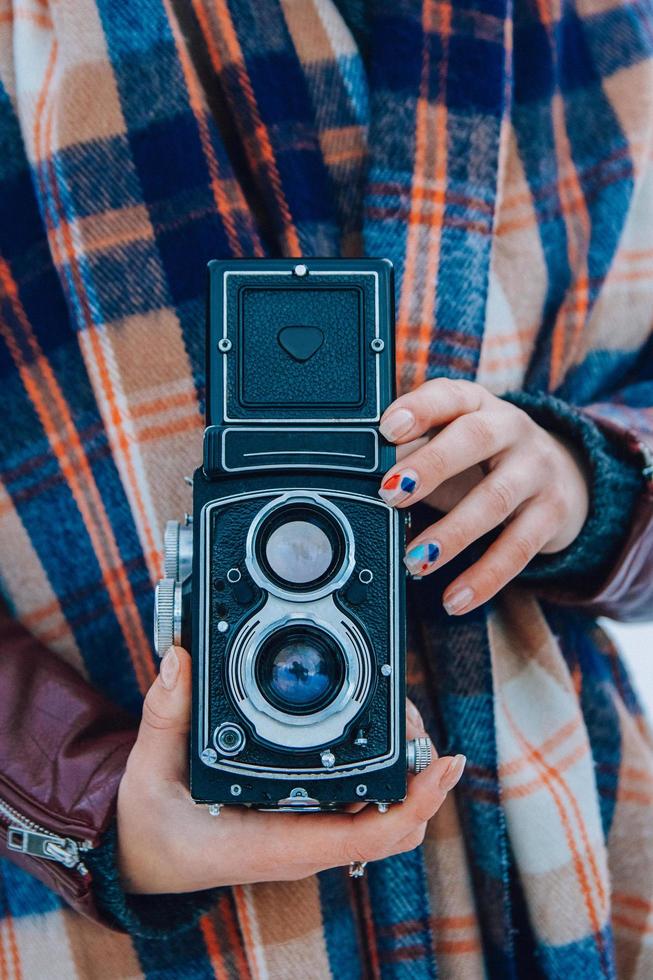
(31, 838)
(647, 455)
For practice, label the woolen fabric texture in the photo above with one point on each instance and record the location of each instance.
(500, 155)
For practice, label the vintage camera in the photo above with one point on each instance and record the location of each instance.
(288, 584)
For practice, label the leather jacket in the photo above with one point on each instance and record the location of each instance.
(63, 749)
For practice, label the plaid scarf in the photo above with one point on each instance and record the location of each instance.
(500, 154)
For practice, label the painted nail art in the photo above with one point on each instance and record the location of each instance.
(452, 773)
(398, 486)
(458, 601)
(419, 559)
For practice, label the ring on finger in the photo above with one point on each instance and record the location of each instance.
(357, 869)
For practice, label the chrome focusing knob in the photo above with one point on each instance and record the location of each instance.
(418, 754)
(177, 550)
(167, 615)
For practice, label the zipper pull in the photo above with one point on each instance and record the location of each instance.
(61, 849)
(647, 470)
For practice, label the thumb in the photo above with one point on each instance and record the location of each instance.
(162, 743)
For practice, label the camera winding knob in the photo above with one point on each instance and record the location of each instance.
(177, 550)
(418, 754)
(167, 615)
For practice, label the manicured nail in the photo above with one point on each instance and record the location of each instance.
(420, 558)
(458, 601)
(397, 424)
(414, 717)
(398, 486)
(452, 773)
(169, 671)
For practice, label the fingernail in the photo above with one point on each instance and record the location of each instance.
(419, 559)
(169, 670)
(414, 717)
(458, 601)
(452, 773)
(399, 486)
(397, 424)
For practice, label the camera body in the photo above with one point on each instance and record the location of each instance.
(288, 584)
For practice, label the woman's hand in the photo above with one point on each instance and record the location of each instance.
(168, 844)
(487, 464)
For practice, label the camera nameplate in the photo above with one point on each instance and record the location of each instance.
(318, 458)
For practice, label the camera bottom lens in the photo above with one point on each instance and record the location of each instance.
(300, 669)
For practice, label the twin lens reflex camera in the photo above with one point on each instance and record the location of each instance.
(288, 584)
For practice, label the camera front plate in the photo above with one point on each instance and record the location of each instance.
(287, 748)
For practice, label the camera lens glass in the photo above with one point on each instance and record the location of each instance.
(300, 547)
(299, 552)
(300, 669)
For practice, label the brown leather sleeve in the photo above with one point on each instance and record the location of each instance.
(63, 749)
(627, 592)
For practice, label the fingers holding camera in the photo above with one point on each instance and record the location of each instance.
(403, 827)
(161, 745)
(370, 835)
(537, 491)
(467, 441)
(244, 846)
(247, 846)
(152, 792)
(436, 402)
(524, 537)
(414, 728)
(536, 483)
(488, 505)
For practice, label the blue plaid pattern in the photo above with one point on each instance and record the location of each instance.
(499, 154)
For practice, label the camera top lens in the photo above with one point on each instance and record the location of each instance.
(298, 552)
(300, 669)
(299, 547)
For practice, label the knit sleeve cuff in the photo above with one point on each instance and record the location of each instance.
(616, 482)
(150, 916)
